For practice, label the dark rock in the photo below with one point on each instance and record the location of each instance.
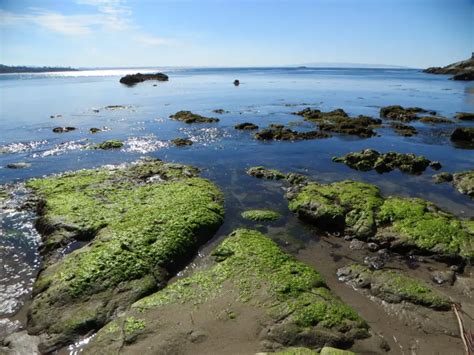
(463, 135)
(63, 129)
(220, 111)
(280, 132)
(465, 116)
(467, 76)
(55, 116)
(370, 159)
(182, 142)
(109, 144)
(443, 177)
(373, 246)
(442, 277)
(236, 82)
(263, 173)
(434, 119)
(435, 165)
(463, 70)
(399, 113)
(20, 165)
(375, 262)
(189, 117)
(246, 126)
(94, 130)
(403, 129)
(133, 79)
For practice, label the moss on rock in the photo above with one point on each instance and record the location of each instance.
(281, 133)
(464, 182)
(393, 287)
(261, 215)
(109, 144)
(399, 113)
(144, 220)
(189, 117)
(250, 266)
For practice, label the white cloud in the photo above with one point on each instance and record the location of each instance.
(152, 41)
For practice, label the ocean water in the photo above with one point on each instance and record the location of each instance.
(31, 105)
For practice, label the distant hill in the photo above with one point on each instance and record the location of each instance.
(350, 65)
(4, 69)
(463, 70)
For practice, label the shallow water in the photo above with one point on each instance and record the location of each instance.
(265, 96)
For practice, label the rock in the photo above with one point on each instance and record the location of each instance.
(434, 119)
(442, 277)
(261, 215)
(20, 165)
(399, 113)
(246, 126)
(464, 182)
(463, 135)
(94, 130)
(280, 132)
(355, 208)
(443, 177)
(373, 246)
(403, 129)
(236, 82)
(356, 244)
(189, 117)
(56, 116)
(20, 343)
(261, 172)
(393, 287)
(338, 121)
(180, 142)
(370, 159)
(333, 351)
(109, 144)
(133, 79)
(463, 70)
(375, 262)
(220, 111)
(144, 221)
(63, 129)
(296, 306)
(435, 165)
(465, 116)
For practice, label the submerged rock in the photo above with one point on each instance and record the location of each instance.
(143, 221)
(463, 70)
(109, 144)
(63, 129)
(403, 129)
(443, 177)
(246, 126)
(393, 287)
(220, 111)
(399, 113)
(370, 159)
(180, 142)
(465, 116)
(434, 119)
(280, 132)
(189, 117)
(463, 135)
(338, 121)
(132, 79)
(251, 273)
(261, 172)
(358, 209)
(261, 215)
(20, 165)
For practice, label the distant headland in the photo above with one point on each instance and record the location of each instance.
(5, 69)
(463, 70)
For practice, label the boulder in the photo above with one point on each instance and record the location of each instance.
(132, 79)
(246, 126)
(189, 117)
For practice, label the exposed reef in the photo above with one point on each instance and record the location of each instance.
(403, 129)
(189, 117)
(462, 181)
(251, 274)
(246, 126)
(109, 144)
(281, 133)
(399, 113)
(137, 224)
(370, 159)
(133, 79)
(181, 142)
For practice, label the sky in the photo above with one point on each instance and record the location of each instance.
(233, 33)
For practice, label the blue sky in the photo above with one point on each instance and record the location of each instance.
(84, 33)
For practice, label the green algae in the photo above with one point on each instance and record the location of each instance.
(145, 220)
(109, 144)
(133, 325)
(393, 286)
(421, 223)
(189, 117)
(263, 173)
(295, 351)
(261, 215)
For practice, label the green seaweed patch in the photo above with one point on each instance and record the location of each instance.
(295, 351)
(393, 286)
(109, 144)
(422, 224)
(261, 215)
(251, 262)
(133, 325)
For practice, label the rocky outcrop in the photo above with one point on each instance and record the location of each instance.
(63, 129)
(370, 159)
(250, 275)
(338, 121)
(133, 79)
(465, 116)
(463, 135)
(109, 144)
(399, 113)
(189, 117)
(246, 126)
(281, 133)
(137, 225)
(462, 181)
(463, 70)
(181, 142)
(403, 129)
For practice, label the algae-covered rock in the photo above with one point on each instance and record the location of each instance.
(246, 126)
(261, 215)
(465, 116)
(463, 135)
(464, 182)
(327, 350)
(109, 144)
(333, 351)
(399, 113)
(370, 159)
(281, 133)
(180, 142)
(443, 177)
(338, 121)
(435, 119)
(403, 129)
(251, 272)
(392, 286)
(143, 221)
(263, 173)
(189, 117)
(132, 79)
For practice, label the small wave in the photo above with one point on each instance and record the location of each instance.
(205, 136)
(62, 148)
(21, 147)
